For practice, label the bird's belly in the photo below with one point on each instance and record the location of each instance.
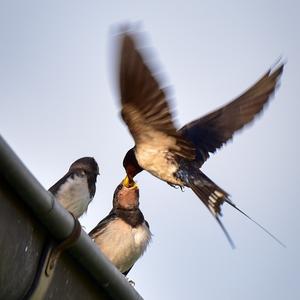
(123, 244)
(160, 163)
(74, 195)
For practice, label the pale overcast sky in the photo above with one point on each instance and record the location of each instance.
(58, 104)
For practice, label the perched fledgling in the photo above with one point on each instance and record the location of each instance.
(77, 188)
(176, 155)
(124, 234)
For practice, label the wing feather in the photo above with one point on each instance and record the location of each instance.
(145, 108)
(213, 130)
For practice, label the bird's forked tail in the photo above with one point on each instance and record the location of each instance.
(213, 197)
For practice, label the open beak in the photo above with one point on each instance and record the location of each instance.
(129, 182)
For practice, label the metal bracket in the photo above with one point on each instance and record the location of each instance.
(48, 262)
(60, 248)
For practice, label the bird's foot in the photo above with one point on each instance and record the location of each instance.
(131, 282)
(176, 186)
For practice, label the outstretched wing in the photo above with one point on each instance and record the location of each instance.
(145, 108)
(215, 129)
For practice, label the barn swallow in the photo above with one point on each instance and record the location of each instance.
(176, 156)
(124, 234)
(77, 188)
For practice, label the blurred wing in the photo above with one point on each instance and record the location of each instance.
(215, 129)
(145, 108)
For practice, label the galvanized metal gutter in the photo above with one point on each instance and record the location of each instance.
(60, 224)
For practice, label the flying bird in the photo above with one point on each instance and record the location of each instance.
(77, 188)
(176, 155)
(124, 234)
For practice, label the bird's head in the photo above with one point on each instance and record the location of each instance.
(126, 197)
(87, 164)
(131, 167)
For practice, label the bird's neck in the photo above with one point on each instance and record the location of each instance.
(133, 217)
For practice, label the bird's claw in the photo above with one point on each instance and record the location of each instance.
(131, 282)
(176, 186)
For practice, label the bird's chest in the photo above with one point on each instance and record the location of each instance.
(74, 195)
(122, 244)
(159, 162)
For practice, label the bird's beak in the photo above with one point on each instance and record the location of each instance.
(129, 183)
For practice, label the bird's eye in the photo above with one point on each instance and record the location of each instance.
(82, 173)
